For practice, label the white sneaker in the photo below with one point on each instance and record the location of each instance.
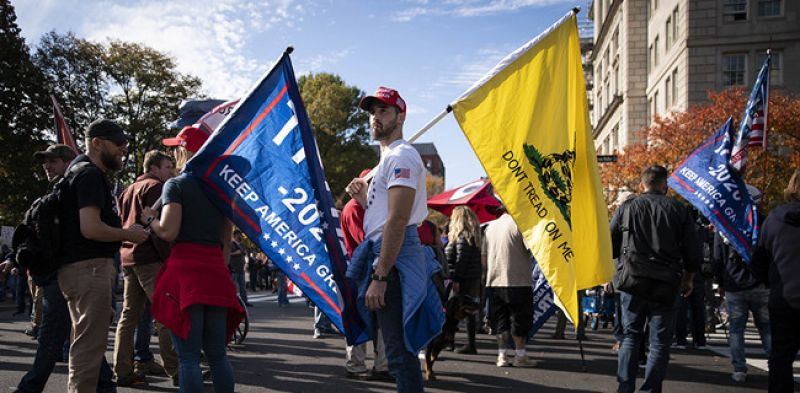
(739, 376)
(502, 360)
(317, 333)
(524, 361)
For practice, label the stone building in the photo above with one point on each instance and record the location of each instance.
(655, 57)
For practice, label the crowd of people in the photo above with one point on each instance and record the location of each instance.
(171, 245)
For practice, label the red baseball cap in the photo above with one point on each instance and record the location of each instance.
(192, 138)
(385, 95)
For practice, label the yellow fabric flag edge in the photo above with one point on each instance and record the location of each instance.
(566, 294)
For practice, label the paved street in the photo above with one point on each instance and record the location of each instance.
(279, 355)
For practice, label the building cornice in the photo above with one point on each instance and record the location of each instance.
(605, 26)
(753, 39)
(612, 107)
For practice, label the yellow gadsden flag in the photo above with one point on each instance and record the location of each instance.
(528, 122)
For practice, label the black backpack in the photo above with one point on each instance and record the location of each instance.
(644, 275)
(37, 240)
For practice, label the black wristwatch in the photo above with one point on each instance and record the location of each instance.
(378, 277)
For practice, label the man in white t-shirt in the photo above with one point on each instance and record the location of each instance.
(395, 204)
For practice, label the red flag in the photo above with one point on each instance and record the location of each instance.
(63, 133)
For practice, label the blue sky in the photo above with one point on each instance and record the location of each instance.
(429, 50)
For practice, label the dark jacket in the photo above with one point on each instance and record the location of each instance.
(662, 228)
(463, 260)
(730, 270)
(777, 256)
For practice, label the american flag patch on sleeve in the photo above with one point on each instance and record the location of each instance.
(402, 173)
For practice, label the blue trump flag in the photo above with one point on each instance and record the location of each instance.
(712, 185)
(261, 168)
(543, 302)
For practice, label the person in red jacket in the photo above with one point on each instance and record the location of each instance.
(201, 310)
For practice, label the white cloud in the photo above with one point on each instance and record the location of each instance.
(471, 68)
(469, 8)
(207, 41)
(320, 62)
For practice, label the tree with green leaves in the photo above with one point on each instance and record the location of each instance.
(150, 92)
(341, 129)
(133, 84)
(23, 121)
(74, 69)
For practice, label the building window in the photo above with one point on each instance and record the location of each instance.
(667, 91)
(734, 10)
(615, 40)
(769, 8)
(614, 137)
(733, 69)
(674, 85)
(675, 19)
(600, 107)
(616, 79)
(775, 67)
(668, 33)
(655, 103)
(650, 58)
(649, 109)
(655, 52)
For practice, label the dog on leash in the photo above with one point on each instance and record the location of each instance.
(457, 308)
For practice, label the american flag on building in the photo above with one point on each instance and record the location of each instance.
(752, 131)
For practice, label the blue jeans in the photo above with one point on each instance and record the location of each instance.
(207, 333)
(53, 332)
(637, 312)
(694, 304)
(403, 365)
(144, 333)
(283, 298)
(739, 303)
(238, 279)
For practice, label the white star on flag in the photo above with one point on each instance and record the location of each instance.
(281, 251)
(266, 236)
(324, 225)
(274, 244)
(296, 266)
(289, 259)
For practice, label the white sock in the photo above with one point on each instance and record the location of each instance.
(501, 352)
(520, 352)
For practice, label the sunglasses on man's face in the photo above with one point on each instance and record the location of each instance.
(117, 142)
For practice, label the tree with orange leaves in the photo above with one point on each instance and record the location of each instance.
(671, 139)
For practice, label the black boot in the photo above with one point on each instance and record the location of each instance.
(471, 328)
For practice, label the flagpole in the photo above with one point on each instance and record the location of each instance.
(516, 54)
(765, 159)
(497, 68)
(430, 124)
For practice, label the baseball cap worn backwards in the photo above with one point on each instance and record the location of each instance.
(61, 151)
(191, 138)
(106, 129)
(385, 95)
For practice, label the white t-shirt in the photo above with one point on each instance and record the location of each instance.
(400, 165)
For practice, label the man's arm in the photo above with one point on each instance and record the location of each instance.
(400, 202)
(93, 228)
